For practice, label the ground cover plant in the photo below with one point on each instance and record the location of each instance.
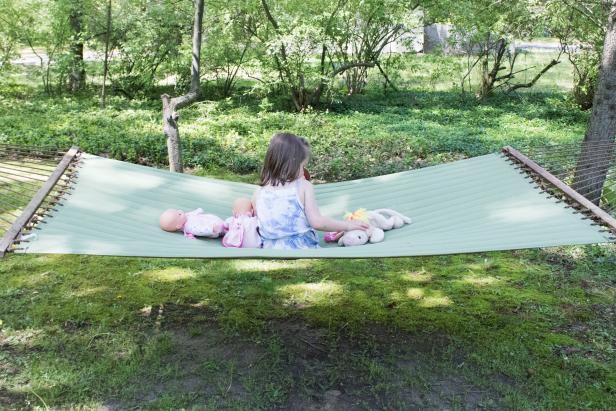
(509, 330)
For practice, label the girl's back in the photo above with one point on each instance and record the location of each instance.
(282, 220)
(285, 203)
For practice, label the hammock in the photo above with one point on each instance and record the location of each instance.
(84, 204)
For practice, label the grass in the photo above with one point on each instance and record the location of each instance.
(522, 330)
(519, 330)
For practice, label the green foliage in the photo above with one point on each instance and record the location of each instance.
(359, 136)
(149, 38)
(581, 28)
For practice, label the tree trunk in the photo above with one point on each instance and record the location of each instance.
(597, 149)
(106, 62)
(78, 72)
(489, 77)
(171, 105)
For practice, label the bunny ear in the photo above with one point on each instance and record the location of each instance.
(340, 242)
(390, 212)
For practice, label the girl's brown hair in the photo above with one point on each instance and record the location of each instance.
(284, 156)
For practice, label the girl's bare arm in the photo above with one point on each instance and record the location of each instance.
(321, 222)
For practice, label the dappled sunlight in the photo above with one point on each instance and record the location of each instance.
(417, 276)
(85, 292)
(308, 294)
(479, 281)
(334, 208)
(436, 300)
(170, 274)
(415, 293)
(424, 297)
(522, 212)
(270, 265)
(105, 207)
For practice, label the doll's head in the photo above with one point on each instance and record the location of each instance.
(172, 220)
(243, 206)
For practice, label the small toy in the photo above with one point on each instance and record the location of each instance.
(380, 220)
(194, 223)
(387, 219)
(361, 237)
(242, 227)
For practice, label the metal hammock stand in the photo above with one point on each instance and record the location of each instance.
(35, 182)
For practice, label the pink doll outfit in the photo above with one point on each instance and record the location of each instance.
(243, 232)
(199, 224)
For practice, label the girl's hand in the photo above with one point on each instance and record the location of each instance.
(357, 225)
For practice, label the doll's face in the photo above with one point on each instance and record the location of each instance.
(172, 220)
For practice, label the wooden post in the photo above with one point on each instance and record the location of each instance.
(36, 201)
(566, 190)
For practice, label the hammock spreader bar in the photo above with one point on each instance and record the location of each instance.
(32, 210)
(492, 202)
(565, 190)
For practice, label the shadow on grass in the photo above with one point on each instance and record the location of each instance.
(490, 330)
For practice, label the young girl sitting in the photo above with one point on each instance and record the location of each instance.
(285, 204)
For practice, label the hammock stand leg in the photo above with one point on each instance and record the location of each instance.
(570, 193)
(30, 209)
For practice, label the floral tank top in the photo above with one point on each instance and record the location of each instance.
(282, 220)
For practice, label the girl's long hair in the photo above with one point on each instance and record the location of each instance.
(284, 156)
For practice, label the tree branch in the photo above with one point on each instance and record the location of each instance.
(534, 80)
(347, 66)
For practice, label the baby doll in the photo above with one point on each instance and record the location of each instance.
(242, 226)
(194, 223)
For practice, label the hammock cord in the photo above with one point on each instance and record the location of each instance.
(23, 171)
(587, 167)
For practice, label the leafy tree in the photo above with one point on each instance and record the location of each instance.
(9, 33)
(171, 105)
(230, 43)
(42, 26)
(341, 35)
(484, 29)
(597, 150)
(581, 27)
(148, 36)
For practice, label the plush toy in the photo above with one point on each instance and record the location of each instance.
(361, 237)
(387, 219)
(380, 220)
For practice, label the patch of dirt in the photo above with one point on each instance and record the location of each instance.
(13, 401)
(318, 369)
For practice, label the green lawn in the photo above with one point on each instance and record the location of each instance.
(519, 330)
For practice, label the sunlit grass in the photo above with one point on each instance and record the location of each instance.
(309, 294)
(170, 274)
(417, 276)
(270, 265)
(478, 280)
(415, 293)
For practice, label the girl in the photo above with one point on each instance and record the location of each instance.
(285, 204)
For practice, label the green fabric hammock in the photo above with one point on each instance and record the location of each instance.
(473, 205)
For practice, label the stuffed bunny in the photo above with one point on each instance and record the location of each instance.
(361, 237)
(387, 219)
(380, 220)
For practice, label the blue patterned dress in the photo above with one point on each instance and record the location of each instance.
(282, 221)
